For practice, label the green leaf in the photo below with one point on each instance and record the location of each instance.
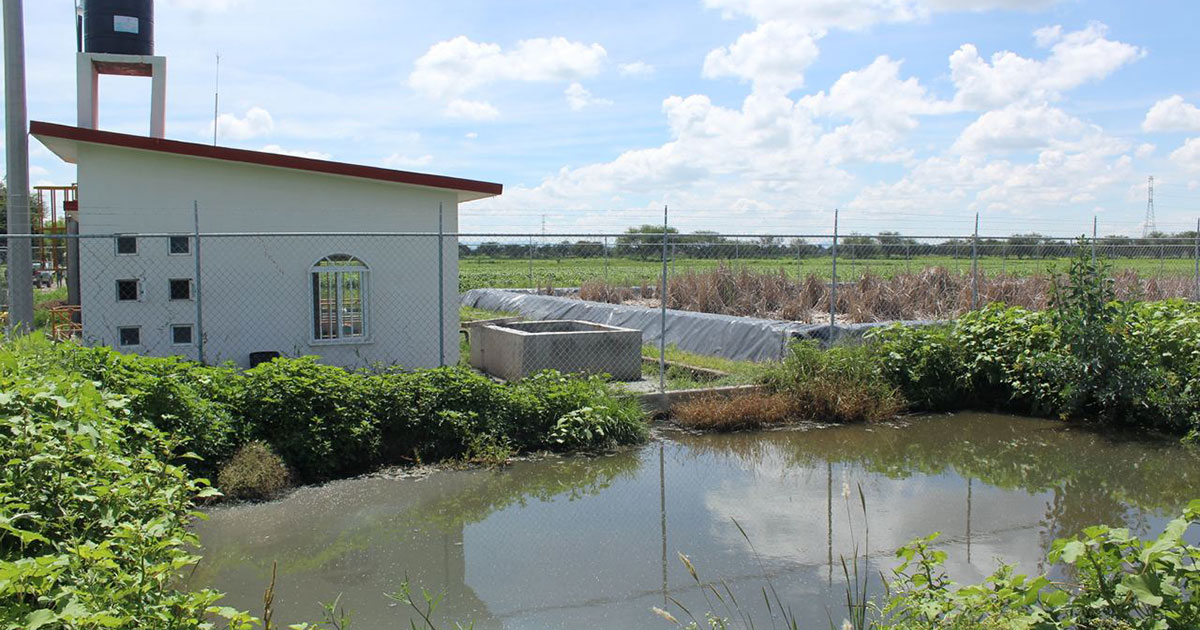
(1072, 550)
(39, 618)
(1144, 588)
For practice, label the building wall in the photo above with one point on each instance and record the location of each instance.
(256, 291)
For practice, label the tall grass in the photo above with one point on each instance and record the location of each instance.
(931, 293)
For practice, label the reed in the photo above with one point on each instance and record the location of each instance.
(930, 293)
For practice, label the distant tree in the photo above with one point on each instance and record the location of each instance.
(644, 242)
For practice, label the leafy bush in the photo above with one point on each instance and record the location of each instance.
(319, 418)
(1088, 357)
(254, 473)
(93, 517)
(925, 364)
(595, 428)
(326, 422)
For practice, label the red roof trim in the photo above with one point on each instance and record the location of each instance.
(260, 158)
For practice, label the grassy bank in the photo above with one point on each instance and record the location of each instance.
(1087, 357)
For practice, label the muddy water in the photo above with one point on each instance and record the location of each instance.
(594, 542)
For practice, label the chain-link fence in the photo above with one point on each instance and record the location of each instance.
(370, 300)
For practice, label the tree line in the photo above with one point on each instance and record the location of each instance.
(646, 243)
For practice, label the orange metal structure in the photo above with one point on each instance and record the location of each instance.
(65, 322)
(54, 202)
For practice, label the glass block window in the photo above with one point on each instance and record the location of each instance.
(339, 298)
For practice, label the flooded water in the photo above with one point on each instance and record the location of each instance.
(594, 542)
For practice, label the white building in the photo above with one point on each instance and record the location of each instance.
(353, 300)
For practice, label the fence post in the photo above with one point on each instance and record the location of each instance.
(441, 287)
(531, 285)
(199, 290)
(833, 282)
(1196, 260)
(662, 298)
(975, 266)
(605, 260)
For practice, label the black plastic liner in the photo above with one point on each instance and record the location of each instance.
(729, 336)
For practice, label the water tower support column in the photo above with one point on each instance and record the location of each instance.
(89, 67)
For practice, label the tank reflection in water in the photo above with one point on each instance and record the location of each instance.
(564, 543)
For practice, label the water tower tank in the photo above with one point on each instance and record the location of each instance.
(122, 27)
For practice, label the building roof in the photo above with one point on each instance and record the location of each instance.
(63, 140)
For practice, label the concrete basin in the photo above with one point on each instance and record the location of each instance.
(514, 350)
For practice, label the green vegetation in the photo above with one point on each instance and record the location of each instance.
(842, 384)
(1088, 357)
(326, 422)
(472, 314)
(480, 271)
(681, 375)
(93, 517)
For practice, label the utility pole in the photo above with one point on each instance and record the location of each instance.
(20, 252)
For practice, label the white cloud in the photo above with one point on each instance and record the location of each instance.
(1172, 114)
(1187, 156)
(397, 160)
(773, 56)
(471, 110)
(818, 15)
(1020, 128)
(256, 123)
(471, 135)
(1075, 58)
(578, 97)
(636, 69)
(1079, 172)
(988, 5)
(314, 155)
(1145, 150)
(451, 69)
(877, 97)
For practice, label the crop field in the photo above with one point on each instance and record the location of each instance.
(481, 272)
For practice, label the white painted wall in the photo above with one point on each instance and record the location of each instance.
(257, 290)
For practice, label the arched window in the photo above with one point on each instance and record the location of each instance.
(339, 298)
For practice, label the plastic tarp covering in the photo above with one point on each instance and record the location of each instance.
(732, 337)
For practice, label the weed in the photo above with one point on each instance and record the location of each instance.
(255, 473)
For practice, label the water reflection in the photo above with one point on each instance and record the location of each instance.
(588, 541)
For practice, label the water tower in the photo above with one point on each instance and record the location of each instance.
(117, 38)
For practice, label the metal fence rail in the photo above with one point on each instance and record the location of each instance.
(382, 299)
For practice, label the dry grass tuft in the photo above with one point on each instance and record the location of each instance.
(254, 473)
(733, 413)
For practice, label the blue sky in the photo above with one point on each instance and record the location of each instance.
(745, 116)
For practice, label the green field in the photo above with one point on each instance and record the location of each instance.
(479, 272)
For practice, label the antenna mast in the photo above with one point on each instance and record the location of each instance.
(216, 98)
(1148, 227)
